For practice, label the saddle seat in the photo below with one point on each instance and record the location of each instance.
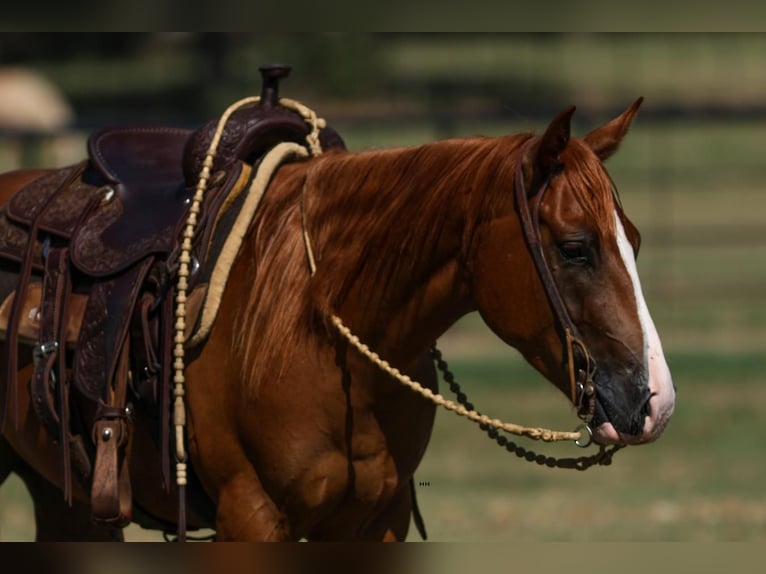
(94, 245)
(140, 156)
(154, 170)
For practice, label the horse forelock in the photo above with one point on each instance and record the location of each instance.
(589, 183)
(373, 218)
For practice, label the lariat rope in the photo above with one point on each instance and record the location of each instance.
(182, 286)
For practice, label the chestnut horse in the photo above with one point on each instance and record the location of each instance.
(293, 434)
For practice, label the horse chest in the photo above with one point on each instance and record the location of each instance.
(333, 479)
(374, 476)
(339, 493)
(340, 459)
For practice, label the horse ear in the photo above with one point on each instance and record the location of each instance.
(605, 140)
(547, 150)
(554, 140)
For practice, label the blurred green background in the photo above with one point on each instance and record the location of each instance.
(691, 177)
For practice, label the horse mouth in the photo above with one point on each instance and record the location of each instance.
(645, 427)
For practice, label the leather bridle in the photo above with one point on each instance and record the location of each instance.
(580, 364)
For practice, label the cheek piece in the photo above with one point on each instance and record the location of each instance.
(580, 364)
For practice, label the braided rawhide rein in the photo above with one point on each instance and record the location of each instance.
(535, 433)
(489, 425)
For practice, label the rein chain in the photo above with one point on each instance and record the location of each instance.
(603, 457)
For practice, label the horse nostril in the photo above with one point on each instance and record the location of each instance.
(625, 406)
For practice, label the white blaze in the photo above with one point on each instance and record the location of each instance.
(662, 401)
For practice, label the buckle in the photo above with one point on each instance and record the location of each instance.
(44, 349)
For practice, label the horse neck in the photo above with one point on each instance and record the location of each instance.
(391, 239)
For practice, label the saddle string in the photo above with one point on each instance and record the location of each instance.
(304, 228)
(182, 286)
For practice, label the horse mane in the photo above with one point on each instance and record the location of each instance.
(372, 217)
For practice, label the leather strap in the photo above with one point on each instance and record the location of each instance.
(50, 353)
(109, 435)
(12, 335)
(581, 366)
(111, 496)
(49, 391)
(166, 337)
(143, 331)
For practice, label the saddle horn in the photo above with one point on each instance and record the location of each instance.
(271, 75)
(252, 131)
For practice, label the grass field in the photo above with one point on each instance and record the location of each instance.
(695, 189)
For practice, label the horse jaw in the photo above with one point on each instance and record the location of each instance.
(662, 399)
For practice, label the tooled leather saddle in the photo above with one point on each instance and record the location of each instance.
(89, 255)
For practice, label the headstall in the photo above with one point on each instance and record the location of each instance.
(581, 366)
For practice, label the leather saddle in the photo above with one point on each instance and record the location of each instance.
(89, 253)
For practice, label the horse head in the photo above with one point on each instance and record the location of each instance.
(554, 274)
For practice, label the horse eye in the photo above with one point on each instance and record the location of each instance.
(574, 251)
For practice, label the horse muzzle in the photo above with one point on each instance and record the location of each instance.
(657, 413)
